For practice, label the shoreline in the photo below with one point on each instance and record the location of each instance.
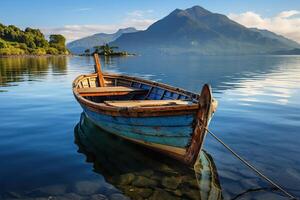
(106, 55)
(33, 56)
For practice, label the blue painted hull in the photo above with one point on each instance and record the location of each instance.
(172, 131)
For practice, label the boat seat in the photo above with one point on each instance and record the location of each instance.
(146, 103)
(109, 91)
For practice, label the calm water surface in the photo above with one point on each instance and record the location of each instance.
(45, 150)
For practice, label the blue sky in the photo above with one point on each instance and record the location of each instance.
(78, 18)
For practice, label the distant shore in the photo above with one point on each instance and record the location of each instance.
(113, 55)
(34, 56)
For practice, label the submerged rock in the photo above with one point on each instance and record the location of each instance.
(136, 193)
(192, 194)
(148, 173)
(160, 194)
(143, 192)
(178, 193)
(141, 181)
(131, 193)
(171, 182)
(166, 169)
(125, 179)
(87, 187)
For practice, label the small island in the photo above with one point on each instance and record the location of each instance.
(16, 42)
(106, 50)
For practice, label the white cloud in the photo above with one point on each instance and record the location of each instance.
(138, 19)
(289, 13)
(139, 13)
(73, 32)
(286, 23)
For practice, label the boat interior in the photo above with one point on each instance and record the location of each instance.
(125, 91)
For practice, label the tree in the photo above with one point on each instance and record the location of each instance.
(29, 40)
(38, 37)
(57, 39)
(87, 51)
(58, 42)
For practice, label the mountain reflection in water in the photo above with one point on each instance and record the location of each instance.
(143, 174)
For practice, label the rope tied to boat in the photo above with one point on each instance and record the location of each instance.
(251, 166)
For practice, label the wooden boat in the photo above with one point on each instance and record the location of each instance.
(161, 117)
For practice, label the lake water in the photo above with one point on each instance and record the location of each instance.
(43, 152)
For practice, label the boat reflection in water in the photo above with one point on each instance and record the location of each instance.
(143, 174)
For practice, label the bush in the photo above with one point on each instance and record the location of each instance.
(39, 51)
(11, 51)
(2, 44)
(22, 46)
(52, 51)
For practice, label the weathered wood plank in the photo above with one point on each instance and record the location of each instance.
(144, 103)
(103, 91)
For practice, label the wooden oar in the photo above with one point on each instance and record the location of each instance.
(98, 70)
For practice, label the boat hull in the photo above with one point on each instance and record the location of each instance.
(170, 134)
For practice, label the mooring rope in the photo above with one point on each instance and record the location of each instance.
(251, 166)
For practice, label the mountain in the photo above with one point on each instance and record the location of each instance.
(79, 46)
(199, 31)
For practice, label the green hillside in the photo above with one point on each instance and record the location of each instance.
(14, 41)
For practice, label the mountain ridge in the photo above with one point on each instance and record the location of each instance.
(80, 45)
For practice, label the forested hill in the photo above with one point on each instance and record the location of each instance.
(14, 41)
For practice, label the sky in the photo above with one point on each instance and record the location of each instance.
(79, 18)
